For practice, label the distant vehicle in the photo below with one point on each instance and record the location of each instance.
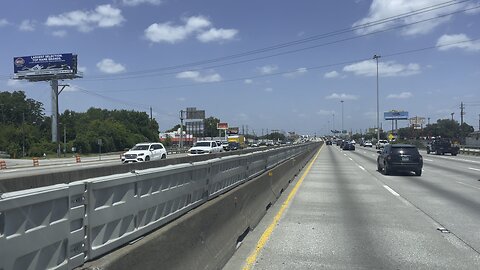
(368, 144)
(381, 144)
(343, 144)
(240, 139)
(348, 146)
(269, 143)
(204, 147)
(225, 146)
(338, 142)
(399, 157)
(441, 146)
(145, 152)
(328, 143)
(233, 146)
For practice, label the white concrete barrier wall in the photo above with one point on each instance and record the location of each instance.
(62, 226)
(43, 228)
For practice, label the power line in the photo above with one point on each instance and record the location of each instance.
(387, 55)
(146, 73)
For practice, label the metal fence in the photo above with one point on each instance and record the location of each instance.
(63, 226)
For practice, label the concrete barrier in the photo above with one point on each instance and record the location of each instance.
(77, 174)
(206, 237)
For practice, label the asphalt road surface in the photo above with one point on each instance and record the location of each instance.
(346, 215)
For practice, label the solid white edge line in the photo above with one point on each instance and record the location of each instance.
(467, 185)
(391, 190)
(475, 169)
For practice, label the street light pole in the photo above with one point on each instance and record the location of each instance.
(342, 114)
(378, 104)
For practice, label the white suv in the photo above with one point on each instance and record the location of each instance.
(145, 152)
(205, 147)
(381, 144)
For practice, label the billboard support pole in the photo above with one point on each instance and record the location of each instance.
(54, 84)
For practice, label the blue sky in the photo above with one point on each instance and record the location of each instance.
(126, 49)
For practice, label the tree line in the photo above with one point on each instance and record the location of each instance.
(26, 130)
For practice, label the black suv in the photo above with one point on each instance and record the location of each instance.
(399, 157)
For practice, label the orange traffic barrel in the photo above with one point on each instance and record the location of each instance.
(35, 162)
(3, 165)
(77, 159)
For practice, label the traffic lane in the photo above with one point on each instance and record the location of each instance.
(473, 160)
(462, 166)
(448, 196)
(63, 167)
(344, 218)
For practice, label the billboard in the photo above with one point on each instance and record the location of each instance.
(222, 125)
(395, 115)
(193, 113)
(232, 130)
(45, 65)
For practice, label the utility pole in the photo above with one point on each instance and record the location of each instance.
(342, 114)
(151, 114)
(462, 112)
(452, 115)
(64, 139)
(428, 122)
(378, 104)
(180, 143)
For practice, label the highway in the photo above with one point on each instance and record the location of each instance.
(346, 215)
(24, 167)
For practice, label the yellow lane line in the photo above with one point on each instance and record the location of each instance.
(266, 234)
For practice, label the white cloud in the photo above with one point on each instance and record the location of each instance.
(342, 96)
(248, 81)
(462, 42)
(197, 77)
(325, 113)
(104, 16)
(214, 34)
(11, 82)
(82, 69)
(139, 2)
(331, 74)
(268, 69)
(3, 22)
(385, 69)
(166, 32)
(59, 33)
(402, 95)
(27, 25)
(109, 66)
(381, 9)
(296, 73)
(268, 89)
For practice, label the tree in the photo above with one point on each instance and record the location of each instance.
(210, 126)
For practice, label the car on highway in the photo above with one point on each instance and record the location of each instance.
(368, 144)
(225, 146)
(381, 144)
(399, 157)
(328, 142)
(205, 147)
(348, 146)
(233, 146)
(145, 152)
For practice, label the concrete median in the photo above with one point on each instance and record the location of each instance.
(206, 237)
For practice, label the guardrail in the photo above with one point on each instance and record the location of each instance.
(470, 151)
(65, 225)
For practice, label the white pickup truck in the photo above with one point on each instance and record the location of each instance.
(205, 147)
